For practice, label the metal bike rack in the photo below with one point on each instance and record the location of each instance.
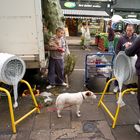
(115, 116)
(36, 107)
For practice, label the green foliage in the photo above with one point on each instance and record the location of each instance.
(41, 103)
(104, 36)
(70, 61)
(93, 31)
(52, 13)
(47, 37)
(105, 41)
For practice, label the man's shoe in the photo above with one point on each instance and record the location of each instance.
(64, 84)
(50, 86)
(116, 89)
(137, 127)
(132, 92)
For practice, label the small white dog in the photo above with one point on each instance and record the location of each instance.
(72, 99)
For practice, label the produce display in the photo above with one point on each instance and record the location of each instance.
(101, 40)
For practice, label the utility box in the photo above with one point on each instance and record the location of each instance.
(21, 31)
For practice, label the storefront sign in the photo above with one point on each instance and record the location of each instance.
(89, 5)
(83, 5)
(86, 5)
(70, 4)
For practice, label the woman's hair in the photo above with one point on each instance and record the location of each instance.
(84, 23)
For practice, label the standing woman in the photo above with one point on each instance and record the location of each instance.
(131, 50)
(85, 35)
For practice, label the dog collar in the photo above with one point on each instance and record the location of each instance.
(83, 96)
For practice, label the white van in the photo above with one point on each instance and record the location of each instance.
(21, 31)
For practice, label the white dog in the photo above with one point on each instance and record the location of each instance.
(72, 99)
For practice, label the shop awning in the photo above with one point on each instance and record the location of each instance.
(129, 5)
(84, 13)
(132, 21)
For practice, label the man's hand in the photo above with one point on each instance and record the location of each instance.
(128, 44)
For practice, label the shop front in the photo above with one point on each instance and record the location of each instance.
(76, 12)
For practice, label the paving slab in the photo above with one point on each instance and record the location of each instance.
(75, 85)
(25, 104)
(130, 97)
(105, 129)
(4, 103)
(40, 135)
(5, 122)
(67, 133)
(91, 129)
(5, 136)
(131, 100)
(42, 120)
(61, 123)
(135, 108)
(26, 124)
(82, 138)
(75, 133)
(89, 111)
(125, 133)
(23, 135)
(65, 139)
(126, 115)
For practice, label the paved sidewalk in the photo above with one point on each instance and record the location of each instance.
(94, 124)
(76, 41)
(73, 41)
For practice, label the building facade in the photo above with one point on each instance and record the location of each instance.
(77, 11)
